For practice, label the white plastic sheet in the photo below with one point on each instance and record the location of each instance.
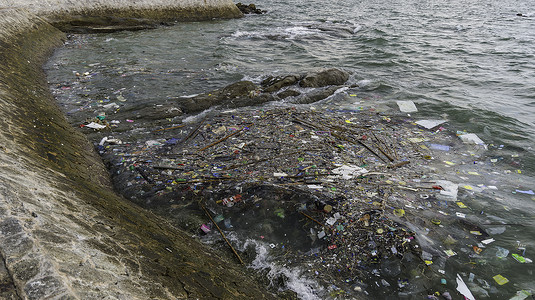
(429, 124)
(463, 289)
(94, 125)
(407, 106)
(349, 171)
(449, 189)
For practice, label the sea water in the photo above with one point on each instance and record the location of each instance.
(471, 63)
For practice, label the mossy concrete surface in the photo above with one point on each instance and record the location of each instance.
(64, 233)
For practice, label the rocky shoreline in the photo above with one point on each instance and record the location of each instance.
(65, 233)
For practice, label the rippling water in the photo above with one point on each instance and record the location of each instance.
(471, 62)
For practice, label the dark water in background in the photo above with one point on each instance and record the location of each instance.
(470, 62)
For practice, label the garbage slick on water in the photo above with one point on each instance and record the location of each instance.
(316, 177)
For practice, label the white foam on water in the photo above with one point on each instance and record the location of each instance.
(239, 34)
(297, 31)
(364, 82)
(304, 287)
(189, 96)
(291, 32)
(195, 118)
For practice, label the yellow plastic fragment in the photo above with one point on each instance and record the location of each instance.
(399, 212)
(473, 173)
(449, 163)
(500, 279)
(428, 262)
(461, 205)
(468, 187)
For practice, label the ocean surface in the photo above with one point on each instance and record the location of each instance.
(471, 63)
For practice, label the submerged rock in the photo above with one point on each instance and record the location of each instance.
(273, 84)
(238, 89)
(247, 93)
(239, 94)
(103, 24)
(288, 93)
(324, 78)
(318, 95)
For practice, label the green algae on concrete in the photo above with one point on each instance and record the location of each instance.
(65, 233)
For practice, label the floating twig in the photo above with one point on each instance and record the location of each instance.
(221, 140)
(371, 150)
(400, 164)
(169, 128)
(316, 221)
(192, 133)
(222, 234)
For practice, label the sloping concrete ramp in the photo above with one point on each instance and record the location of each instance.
(64, 233)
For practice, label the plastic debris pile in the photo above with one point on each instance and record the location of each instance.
(369, 198)
(363, 201)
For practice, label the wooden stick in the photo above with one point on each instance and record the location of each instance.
(221, 140)
(313, 219)
(383, 151)
(169, 128)
(210, 179)
(400, 164)
(371, 150)
(168, 168)
(342, 138)
(223, 235)
(192, 133)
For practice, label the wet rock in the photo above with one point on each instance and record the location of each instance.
(46, 287)
(17, 246)
(246, 93)
(239, 94)
(317, 95)
(249, 9)
(156, 112)
(7, 288)
(103, 24)
(288, 93)
(273, 84)
(324, 78)
(10, 227)
(238, 89)
(26, 269)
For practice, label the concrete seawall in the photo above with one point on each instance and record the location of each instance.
(64, 233)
